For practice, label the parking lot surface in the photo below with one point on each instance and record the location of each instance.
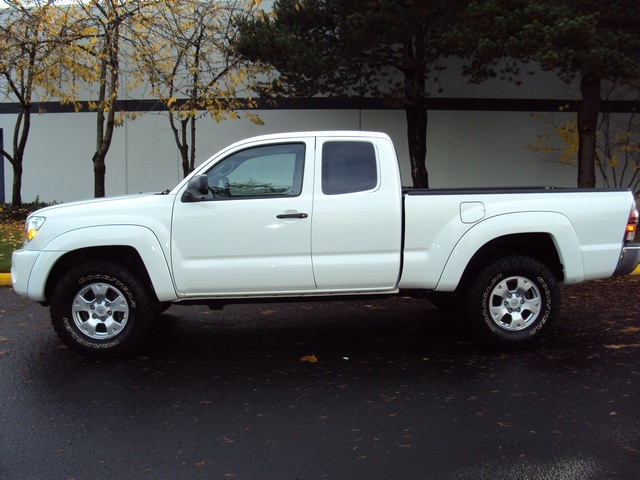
(399, 390)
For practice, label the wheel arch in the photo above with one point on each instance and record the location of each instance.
(549, 237)
(537, 245)
(132, 246)
(124, 255)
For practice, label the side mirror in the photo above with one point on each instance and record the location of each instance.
(197, 189)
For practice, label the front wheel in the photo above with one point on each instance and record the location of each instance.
(101, 309)
(512, 300)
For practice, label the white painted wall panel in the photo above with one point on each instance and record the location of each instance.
(464, 149)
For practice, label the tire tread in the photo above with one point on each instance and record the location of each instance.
(140, 319)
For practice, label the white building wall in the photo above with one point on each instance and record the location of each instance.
(464, 149)
(468, 149)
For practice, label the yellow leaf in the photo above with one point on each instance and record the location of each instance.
(309, 358)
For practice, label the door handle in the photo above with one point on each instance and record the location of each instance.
(292, 215)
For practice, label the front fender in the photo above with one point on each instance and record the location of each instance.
(554, 224)
(142, 239)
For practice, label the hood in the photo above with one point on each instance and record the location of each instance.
(109, 203)
(152, 211)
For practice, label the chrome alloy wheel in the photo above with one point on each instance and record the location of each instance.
(100, 311)
(515, 303)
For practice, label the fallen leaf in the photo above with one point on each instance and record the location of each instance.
(629, 449)
(630, 330)
(309, 358)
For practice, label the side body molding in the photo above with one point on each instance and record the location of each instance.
(556, 225)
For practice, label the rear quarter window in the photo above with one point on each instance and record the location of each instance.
(348, 167)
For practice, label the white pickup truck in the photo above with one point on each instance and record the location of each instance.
(317, 214)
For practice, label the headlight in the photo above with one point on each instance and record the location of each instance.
(31, 227)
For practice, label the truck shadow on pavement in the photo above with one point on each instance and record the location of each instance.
(390, 335)
(597, 318)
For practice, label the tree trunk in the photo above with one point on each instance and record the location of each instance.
(192, 155)
(16, 196)
(19, 141)
(20, 137)
(99, 174)
(587, 130)
(416, 110)
(108, 95)
(106, 125)
(183, 146)
(417, 137)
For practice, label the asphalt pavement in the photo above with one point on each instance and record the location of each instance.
(399, 390)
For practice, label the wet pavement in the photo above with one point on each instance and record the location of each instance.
(400, 390)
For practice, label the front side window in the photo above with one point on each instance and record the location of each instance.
(268, 171)
(348, 167)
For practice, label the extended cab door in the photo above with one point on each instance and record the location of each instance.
(357, 215)
(251, 233)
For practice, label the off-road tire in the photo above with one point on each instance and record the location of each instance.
(512, 301)
(101, 309)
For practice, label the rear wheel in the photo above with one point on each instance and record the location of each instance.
(512, 301)
(101, 309)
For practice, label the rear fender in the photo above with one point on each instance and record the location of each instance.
(554, 224)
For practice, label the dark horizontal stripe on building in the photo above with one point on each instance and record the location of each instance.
(339, 103)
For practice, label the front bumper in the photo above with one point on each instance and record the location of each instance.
(629, 259)
(21, 264)
(29, 272)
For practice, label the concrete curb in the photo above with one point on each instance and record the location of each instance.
(5, 279)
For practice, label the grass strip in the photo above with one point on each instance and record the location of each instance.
(10, 240)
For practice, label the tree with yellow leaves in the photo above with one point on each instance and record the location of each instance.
(33, 36)
(617, 142)
(107, 33)
(188, 58)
